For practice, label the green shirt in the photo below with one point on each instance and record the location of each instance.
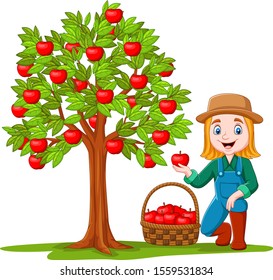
(211, 172)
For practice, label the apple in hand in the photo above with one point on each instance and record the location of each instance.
(149, 163)
(23, 70)
(159, 219)
(179, 209)
(191, 215)
(44, 48)
(105, 96)
(131, 101)
(18, 112)
(93, 121)
(180, 159)
(24, 143)
(161, 137)
(35, 163)
(70, 47)
(165, 209)
(31, 96)
(114, 146)
(58, 76)
(94, 53)
(150, 216)
(180, 220)
(72, 136)
(38, 145)
(114, 15)
(167, 106)
(80, 85)
(166, 73)
(139, 81)
(132, 48)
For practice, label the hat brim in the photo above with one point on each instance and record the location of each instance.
(256, 118)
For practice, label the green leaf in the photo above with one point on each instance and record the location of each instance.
(126, 151)
(30, 50)
(126, 132)
(129, 29)
(158, 159)
(69, 38)
(58, 126)
(57, 158)
(37, 68)
(76, 106)
(105, 43)
(178, 118)
(33, 112)
(159, 89)
(104, 110)
(19, 140)
(72, 119)
(87, 19)
(52, 105)
(26, 61)
(140, 157)
(119, 124)
(137, 115)
(118, 107)
(178, 133)
(150, 40)
(103, 73)
(26, 149)
(43, 59)
(142, 134)
(39, 135)
(123, 84)
(160, 68)
(157, 116)
(152, 150)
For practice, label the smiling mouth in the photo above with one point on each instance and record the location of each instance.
(228, 145)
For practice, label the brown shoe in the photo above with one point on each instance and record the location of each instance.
(238, 223)
(224, 234)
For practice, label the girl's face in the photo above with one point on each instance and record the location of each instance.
(228, 133)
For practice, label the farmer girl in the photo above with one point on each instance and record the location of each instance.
(229, 144)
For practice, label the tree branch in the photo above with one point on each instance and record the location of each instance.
(89, 132)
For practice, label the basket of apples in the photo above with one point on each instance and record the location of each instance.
(170, 225)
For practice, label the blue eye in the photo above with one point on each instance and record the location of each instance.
(217, 130)
(238, 130)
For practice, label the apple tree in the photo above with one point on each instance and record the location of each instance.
(75, 81)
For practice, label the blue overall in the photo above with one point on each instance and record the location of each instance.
(226, 184)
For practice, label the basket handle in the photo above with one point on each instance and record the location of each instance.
(167, 185)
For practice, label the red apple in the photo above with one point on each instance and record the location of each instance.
(31, 96)
(179, 220)
(131, 101)
(169, 218)
(58, 76)
(149, 163)
(165, 209)
(23, 70)
(18, 112)
(72, 136)
(44, 48)
(105, 96)
(159, 219)
(80, 85)
(150, 216)
(179, 209)
(180, 159)
(92, 121)
(24, 143)
(132, 48)
(35, 163)
(166, 73)
(161, 137)
(114, 15)
(191, 215)
(94, 53)
(38, 145)
(114, 146)
(70, 47)
(167, 106)
(139, 81)
(112, 32)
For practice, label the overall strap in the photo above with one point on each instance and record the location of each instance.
(239, 166)
(220, 167)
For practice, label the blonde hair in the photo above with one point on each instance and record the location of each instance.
(209, 152)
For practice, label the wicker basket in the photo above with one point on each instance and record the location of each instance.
(170, 235)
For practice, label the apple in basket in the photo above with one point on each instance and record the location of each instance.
(179, 209)
(180, 220)
(159, 219)
(191, 215)
(150, 216)
(169, 218)
(165, 209)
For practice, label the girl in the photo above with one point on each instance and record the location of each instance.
(229, 143)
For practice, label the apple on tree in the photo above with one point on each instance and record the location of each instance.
(167, 106)
(38, 145)
(70, 47)
(149, 163)
(24, 143)
(23, 70)
(94, 53)
(139, 81)
(114, 146)
(132, 48)
(18, 111)
(32, 96)
(58, 76)
(161, 137)
(166, 73)
(73, 136)
(44, 48)
(92, 121)
(80, 85)
(105, 96)
(35, 163)
(114, 15)
(131, 101)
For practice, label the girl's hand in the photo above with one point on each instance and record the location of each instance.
(183, 169)
(232, 199)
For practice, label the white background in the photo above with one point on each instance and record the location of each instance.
(219, 46)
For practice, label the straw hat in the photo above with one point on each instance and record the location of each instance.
(229, 103)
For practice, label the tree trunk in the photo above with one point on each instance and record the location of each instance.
(98, 233)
